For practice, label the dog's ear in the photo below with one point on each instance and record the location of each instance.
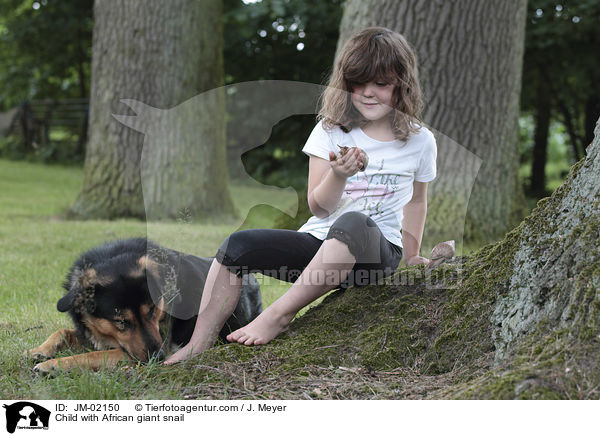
(146, 266)
(88, 279)
(81, 292)
(66, 302)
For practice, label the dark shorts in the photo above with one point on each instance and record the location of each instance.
(284, 254)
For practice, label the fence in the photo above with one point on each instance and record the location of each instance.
(35, 119)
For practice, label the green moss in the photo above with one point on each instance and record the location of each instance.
(547, 365)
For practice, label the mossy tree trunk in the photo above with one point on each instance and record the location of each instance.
(162, 54)
(470, 58)
(555, 280)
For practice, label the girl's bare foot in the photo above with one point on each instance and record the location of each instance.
(417, 260)
(184, 353)
(203, 338)
(262, 330)
(305, 290)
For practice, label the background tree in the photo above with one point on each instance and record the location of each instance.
(45, 49)
(560, 73)
(161, 54)
(45, 52)
(279, 40)
(470, 55)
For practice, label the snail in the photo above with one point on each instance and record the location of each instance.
(344, 150)
(441, 252)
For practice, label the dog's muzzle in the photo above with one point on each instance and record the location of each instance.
(158, 355)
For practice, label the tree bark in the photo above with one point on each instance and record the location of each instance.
(159, 53)
(470, 55)
(556, 267)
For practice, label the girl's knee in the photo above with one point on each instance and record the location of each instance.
(353, 221)
(357, 231)
(231, 249)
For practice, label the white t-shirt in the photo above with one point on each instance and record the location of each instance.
(384, 188)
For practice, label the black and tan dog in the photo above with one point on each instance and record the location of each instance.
(134, 300)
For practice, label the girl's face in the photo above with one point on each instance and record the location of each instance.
(373, 99)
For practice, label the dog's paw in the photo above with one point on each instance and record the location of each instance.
(35, 355)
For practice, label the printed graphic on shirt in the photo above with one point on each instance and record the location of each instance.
(386, 185)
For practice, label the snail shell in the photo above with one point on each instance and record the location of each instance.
(443, 250)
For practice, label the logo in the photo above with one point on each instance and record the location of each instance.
(26, 415)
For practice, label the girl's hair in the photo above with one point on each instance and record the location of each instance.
(374, 54)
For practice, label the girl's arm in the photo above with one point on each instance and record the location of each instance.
(327, 180)
(413, 224)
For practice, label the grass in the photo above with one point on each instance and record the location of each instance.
(39, 247)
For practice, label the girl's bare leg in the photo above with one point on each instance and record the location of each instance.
(327, 269)
(219, 299)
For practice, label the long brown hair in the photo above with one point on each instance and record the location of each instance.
(372, 54)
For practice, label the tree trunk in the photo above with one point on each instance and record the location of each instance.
(159, 53)
(83, 93)
(540, 147)
(470, 55)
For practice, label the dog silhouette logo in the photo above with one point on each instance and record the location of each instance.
(26, 415)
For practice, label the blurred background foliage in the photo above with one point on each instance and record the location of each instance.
(45, 53)
(560, 98)
(280, 40)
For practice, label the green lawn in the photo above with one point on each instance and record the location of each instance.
(38, 247)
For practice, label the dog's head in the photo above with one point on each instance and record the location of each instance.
(115, 307)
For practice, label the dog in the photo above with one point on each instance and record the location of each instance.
(134, 300)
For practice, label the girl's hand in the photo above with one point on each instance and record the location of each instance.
(349, 163)
(417, 260)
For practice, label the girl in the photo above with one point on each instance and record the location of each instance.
(361, 199)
